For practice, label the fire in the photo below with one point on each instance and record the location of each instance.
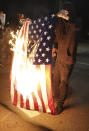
(23, 71)
(30, 84)
(12, 42)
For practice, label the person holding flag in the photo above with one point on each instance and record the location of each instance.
(39, 52)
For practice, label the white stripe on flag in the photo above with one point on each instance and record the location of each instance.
(43, 88)
(31, 102)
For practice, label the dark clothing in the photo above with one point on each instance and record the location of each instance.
(65, 37)
(60, 81)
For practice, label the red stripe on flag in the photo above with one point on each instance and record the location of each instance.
(27, 104)
(49, 88)
(21, 101)
(35, 102)
(15, 96)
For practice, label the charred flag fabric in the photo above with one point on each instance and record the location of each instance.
(31, 86)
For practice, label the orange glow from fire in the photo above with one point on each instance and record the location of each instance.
(25, 74)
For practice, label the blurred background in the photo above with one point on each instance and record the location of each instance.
(36, 8)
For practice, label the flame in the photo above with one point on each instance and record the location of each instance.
(23, 71)
(12, 42)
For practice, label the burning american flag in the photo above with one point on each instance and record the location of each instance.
(31, 85)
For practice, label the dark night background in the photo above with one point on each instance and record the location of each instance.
(37, 8)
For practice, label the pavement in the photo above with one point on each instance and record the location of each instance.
(75, 116)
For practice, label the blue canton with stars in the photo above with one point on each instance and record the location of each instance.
(41, 30)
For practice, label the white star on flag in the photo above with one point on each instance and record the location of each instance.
(43, 24)
(40, 30)
(45, 33)
(37, 26)
(34, 21)
(34, 31)
(44, 44)
(47, 49)
(36, 55)
(39, 60)
(50, 26)
(43, 55)
(47, 60)
(40, 49)
(48, 38)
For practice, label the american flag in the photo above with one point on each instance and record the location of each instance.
(40, 34)
(41, 30)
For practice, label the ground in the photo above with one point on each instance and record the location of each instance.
(75, 116)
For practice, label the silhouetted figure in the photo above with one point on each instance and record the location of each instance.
(65, 38)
